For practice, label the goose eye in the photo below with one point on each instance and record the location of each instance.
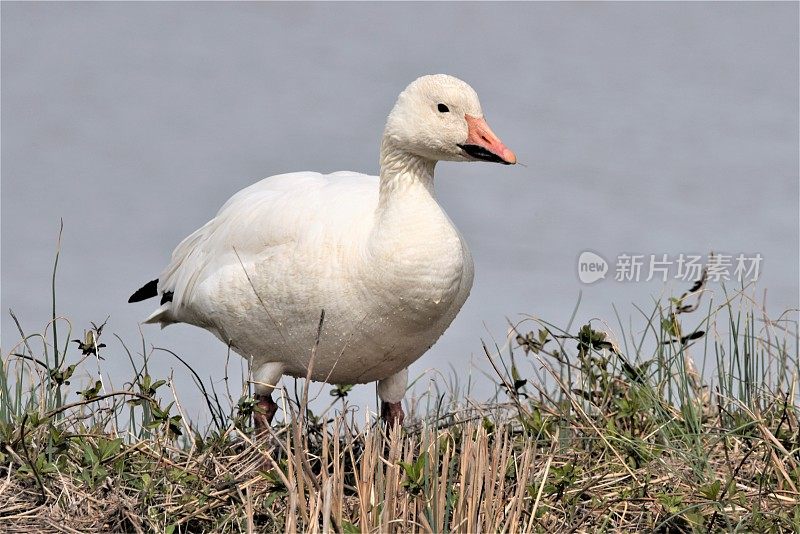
(442, 108)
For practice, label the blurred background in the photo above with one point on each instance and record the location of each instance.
(645, 128)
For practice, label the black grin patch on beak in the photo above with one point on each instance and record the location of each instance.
(478, 152)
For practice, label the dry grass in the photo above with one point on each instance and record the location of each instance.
(585, 435)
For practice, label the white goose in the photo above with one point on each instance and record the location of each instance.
(377, 254)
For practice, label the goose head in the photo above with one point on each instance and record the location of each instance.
(439, 117)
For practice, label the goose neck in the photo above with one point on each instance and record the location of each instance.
(401, 172)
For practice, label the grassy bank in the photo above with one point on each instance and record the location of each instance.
(684, 420)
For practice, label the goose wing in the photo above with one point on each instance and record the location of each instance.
(277, 211)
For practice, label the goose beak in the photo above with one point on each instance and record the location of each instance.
(484, 145)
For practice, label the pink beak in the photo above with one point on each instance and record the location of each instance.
(483, 144)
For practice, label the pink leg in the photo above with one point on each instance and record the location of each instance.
(269, 408)
(391, 413)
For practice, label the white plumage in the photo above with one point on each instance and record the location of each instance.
(377, 254)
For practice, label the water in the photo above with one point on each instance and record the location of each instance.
(644, 129)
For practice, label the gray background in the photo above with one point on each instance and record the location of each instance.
(645, 128)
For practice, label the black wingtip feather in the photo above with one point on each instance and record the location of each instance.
(149, 290)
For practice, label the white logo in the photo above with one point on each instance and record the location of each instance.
(591, 267)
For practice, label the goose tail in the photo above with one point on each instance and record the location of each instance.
(161, 316)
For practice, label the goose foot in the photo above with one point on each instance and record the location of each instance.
(266, 412)
(392, 413)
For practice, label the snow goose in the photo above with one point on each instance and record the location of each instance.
(376, 253)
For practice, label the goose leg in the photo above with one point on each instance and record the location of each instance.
(267, 408)
(392, 413)
(265, 378)
(391, 391)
